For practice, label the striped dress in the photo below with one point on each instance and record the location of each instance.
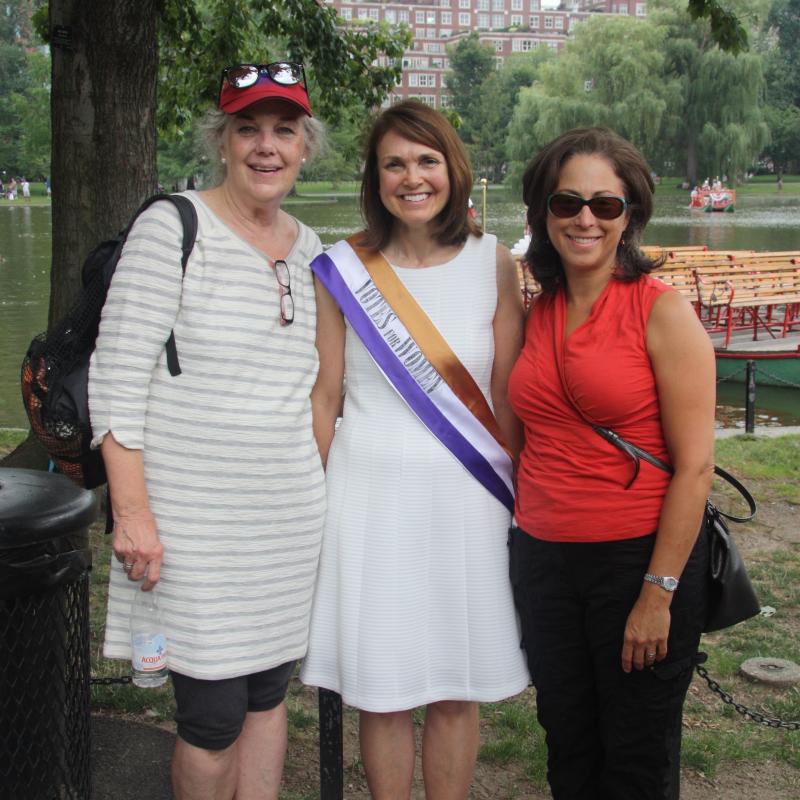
(232, 469)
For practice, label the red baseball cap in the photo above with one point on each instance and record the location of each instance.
(232, 99)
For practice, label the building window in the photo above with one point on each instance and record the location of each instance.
(445, 33)
(548, 22)
(362, 13)
(498, 5)
(553, 45)
(463, 20)
(516, 5)
(536, 5)
(623, 10)
(465, 3)
(390, 15)
(497, 44)
(402, 15)
(516, 19)
(560, 23)
(374, 14)
(522, 45)
(498, 21)
(346, 13)
(482, 5)
(419, 17)
(483, 20)
(446, 101)
(534, 21)
(430, 18)
(641, 9)
(447, 17)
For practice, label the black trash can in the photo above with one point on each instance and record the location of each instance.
(44, 636)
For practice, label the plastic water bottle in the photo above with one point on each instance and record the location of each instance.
(148, 642)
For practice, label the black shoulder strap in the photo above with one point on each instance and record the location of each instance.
(188, 217)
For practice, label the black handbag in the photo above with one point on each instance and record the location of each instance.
(731, 596)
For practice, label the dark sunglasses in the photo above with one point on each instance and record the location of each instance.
(283, 72)
(287, 304)
(570, 205)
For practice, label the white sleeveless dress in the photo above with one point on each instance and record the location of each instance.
(413, 603)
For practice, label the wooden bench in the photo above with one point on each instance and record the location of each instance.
(748, 298)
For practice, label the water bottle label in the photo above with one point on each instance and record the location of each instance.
(149, 652)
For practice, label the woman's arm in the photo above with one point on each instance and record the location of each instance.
(326, 396)
(135, 539)
(683, 362)
(508, 331)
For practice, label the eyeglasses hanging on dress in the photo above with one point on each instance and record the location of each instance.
(284, 285)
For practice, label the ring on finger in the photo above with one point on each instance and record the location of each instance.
(127, 566)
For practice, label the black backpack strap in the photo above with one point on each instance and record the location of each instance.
(188, 216)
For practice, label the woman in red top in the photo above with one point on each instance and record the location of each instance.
(608, 575)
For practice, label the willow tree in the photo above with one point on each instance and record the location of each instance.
(610, 74)
(716, 125)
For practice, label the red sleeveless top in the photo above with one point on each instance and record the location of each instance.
(570, 481)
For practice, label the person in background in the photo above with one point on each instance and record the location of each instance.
(216, 485)
(413, 605)
(609, 573)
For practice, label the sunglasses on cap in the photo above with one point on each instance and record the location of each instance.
(282, 72)
(570, 205)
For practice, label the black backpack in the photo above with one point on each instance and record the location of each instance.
(55, 370)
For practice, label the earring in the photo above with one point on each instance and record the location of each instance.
(303, 160)
(223, 160)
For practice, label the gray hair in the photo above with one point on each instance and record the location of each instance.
(212, 128)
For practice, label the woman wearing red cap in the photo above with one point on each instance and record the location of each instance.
(217, 488)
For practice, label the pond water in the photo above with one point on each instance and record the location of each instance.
(761, 222)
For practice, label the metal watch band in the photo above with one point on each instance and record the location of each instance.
(666, 582)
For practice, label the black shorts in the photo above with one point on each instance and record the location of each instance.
(210, 714)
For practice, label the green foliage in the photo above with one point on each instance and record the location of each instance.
(471, 63)
(726, 28)
(199, 38)
(25, 93)
(608, 75)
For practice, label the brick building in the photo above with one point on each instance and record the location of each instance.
(510, 26)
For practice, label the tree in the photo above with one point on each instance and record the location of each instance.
(609, 74)
(784, 146)
(471, 63)
(497, 99)
(716, 124)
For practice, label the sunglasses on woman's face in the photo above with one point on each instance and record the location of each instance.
(570, 205)
(283, 72)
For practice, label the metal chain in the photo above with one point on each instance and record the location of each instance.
(762, 371)
(732, 375)
(93, 681)
(756, 716)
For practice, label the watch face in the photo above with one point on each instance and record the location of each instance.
(670, 584)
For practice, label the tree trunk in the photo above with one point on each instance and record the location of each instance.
(103, 107)
(103, 104)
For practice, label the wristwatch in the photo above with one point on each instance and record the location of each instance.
(666, 582)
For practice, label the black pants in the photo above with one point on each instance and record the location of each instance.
(610, 735)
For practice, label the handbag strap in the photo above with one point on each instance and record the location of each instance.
(635, 452)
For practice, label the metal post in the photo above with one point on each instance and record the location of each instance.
(484, 182)
(750, 398)
(331, 757)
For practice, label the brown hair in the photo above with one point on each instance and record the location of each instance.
(419, 123)
(541, 178)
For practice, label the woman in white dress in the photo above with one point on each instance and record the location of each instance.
(217, 489)
(413, 605)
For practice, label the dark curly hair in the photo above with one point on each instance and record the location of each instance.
(541, 178)
(419, 123)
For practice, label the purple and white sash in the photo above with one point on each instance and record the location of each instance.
(416, 360)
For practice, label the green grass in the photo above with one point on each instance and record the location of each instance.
(10, 438)
(775, 462)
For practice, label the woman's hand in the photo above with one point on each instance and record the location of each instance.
(137, 547)
(647, 629)
(135, 540)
